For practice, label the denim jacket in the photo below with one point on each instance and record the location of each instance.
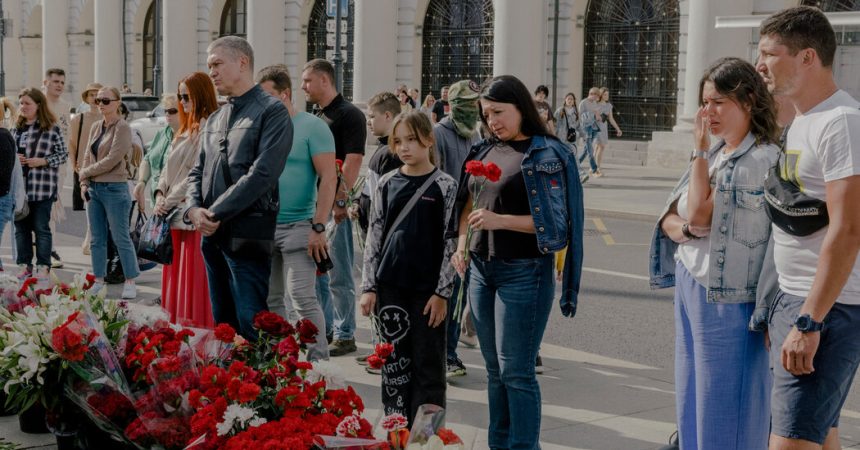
(555, 199)
(740, 269)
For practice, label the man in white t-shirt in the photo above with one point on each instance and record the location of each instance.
(819, 277)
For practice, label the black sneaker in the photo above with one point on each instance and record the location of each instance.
(455, 369)
(362, 360)
(373, 371)
(329, 338)
(673, 442)
(342, 347)
(538, 365)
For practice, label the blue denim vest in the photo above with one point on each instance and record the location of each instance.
(555, 197)
(740, 229)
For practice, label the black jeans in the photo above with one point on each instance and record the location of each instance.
(415, 373)
(35, 223)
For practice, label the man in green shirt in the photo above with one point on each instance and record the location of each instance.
(300, 238)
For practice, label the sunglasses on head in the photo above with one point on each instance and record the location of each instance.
(105, 101)
(171, 111)
(183, 97)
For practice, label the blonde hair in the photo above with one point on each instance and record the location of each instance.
(419, 124)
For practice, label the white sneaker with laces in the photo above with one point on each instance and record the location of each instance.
(97, 288)
(129, 291)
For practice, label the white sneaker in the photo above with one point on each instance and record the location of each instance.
(129, 291)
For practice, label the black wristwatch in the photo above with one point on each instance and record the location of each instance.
(340, 203)
(318, 227)
(805, 324)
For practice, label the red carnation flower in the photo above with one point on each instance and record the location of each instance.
(494, 172)
(476, 168)
(307, 331)
(339, 163)
(248, 392)
(26, 286)
(375, 362)
(384, 350)
(89, 280)
(225, 333)
(271, 323)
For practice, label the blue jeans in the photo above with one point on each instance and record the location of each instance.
(342, 285)
(7, 213)
(37, 222)
(587, 149)
(454, 324)
(108, 213)
(324, 296)
(238, 286)
(511, 301)
(721, 372)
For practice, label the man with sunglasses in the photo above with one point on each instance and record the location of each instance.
(233, 189)
(153, 160)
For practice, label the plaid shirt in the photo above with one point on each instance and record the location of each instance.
(42, 181)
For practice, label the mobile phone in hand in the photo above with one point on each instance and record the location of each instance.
(325, 265)
(87, 195)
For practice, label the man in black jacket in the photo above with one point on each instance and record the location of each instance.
(235, 209)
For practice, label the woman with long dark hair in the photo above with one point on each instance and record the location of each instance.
(533, 210)
(41, 151)
(184, 288)
(711, 243)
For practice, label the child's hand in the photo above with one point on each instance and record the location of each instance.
(437, 307)
(367, 302)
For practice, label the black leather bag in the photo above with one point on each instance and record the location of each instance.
(787, 206)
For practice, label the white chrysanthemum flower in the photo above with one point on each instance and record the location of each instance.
(235, 415)
(328, 371)
(256, 422)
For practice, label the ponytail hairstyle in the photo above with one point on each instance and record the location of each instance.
(419, 124)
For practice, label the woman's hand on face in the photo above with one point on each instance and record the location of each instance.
(701, 130)
(483, 219)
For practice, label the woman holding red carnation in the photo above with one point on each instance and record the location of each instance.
(184, 288)
(533, 210)
(405, 280)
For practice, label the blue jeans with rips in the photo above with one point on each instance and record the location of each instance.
(108, 210)
(342, 284)
(238, 285)
(511, 301)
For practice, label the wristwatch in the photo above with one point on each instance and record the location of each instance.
(318, 227)
(340, 203)
(700, 154)
(805, 324)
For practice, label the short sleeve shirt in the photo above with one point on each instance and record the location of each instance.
(822, 145)
(348, 125)
(297, 184)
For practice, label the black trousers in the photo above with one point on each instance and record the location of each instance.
(415, 373)
(77, 201)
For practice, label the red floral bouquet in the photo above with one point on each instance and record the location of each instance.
(484, 173)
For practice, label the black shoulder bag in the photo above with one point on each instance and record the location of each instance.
(787, 206)
(251, 233)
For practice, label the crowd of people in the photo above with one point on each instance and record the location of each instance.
(479, 191)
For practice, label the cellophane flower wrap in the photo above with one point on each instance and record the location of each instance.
(483, 173)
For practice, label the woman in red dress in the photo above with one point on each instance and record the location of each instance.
(184, 290)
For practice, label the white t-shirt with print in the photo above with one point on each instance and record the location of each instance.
(823, 145)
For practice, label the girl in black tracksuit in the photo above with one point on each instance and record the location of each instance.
(407, 279)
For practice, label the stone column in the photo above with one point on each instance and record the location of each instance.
(55, 51)
(108, 42)
(266, 32)
(375, 47)
(32, 47)
(80, 63)
(519, 53)
(700, 25)
(178, 41)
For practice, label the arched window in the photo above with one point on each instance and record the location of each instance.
(317, 42)
(834, 5)
(631, 47)
(458, 43)
(233, 18)
(149, 47)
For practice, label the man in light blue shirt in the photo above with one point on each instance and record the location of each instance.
(300, 238)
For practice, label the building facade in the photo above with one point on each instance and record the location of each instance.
(649, 53)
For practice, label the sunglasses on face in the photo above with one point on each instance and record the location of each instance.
(183, 97)
(171, 111)
(105, 101)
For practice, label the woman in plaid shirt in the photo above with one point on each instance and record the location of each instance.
(41, 150)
